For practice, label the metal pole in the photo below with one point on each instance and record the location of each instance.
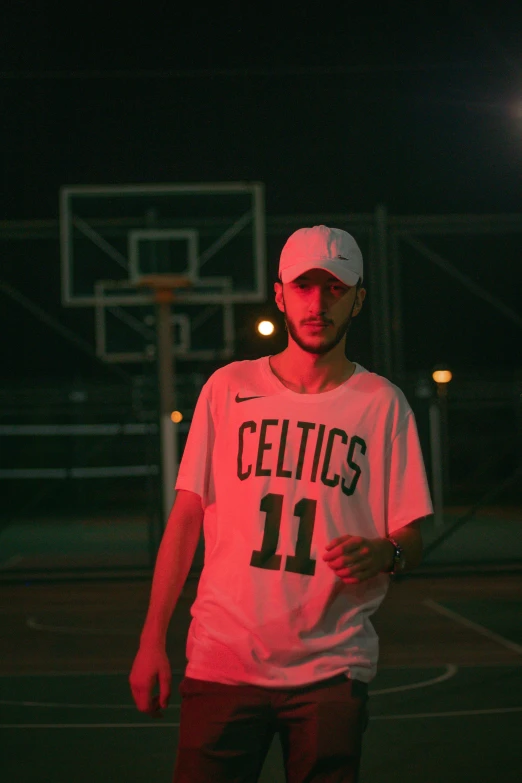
(381, 226)
(436, 463)
(169, 457)
(372, 279)
(442, 389)
(396, 306)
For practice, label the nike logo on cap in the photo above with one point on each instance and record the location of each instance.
(244, 399)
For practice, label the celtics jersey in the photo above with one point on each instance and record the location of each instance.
(280, 475)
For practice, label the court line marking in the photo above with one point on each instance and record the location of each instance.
(513, 646)
(76, 674)
(150, 725)
(455, 714)
(451, 671)
(116, 673)
(161, 725)
(35, 625)
(66, 705)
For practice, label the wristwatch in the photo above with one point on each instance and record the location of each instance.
(399, 559)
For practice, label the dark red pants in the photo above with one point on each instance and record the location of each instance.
(226, 731)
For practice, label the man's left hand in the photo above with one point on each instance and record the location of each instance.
(355, 559)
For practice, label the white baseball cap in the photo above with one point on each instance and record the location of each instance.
(320, 247)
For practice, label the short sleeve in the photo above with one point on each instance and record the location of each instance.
(407, 491)
(195, 468)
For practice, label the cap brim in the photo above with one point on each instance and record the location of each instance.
(332, 265)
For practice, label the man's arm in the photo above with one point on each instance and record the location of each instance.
(410, 539)
(355, 559)
(173, 562)
(151, 665)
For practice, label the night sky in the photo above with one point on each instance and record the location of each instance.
(335, 107)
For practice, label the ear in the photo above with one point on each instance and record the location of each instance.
(279, 300)
(359, 300)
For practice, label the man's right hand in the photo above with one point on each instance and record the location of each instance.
(151, 668)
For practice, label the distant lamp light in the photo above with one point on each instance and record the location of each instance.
(265, 328)
(441, 375)
(176, 417)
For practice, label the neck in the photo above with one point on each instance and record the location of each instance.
(309, 373)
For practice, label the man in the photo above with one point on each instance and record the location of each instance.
(307, 472)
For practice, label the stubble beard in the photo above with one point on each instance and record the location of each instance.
(322, 348)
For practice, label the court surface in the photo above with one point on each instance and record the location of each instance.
(446, 704)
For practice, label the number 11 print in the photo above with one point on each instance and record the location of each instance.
(266, 557)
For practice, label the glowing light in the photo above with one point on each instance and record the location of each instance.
(265, 328)
(442, 376)
(176, 417)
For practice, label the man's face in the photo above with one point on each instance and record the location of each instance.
(319, 297)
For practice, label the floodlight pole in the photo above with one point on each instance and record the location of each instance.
(436, 463)
(382, 324)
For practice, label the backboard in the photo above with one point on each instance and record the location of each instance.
(125, 332)
(111, 236)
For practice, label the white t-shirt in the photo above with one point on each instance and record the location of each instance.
(280, 475)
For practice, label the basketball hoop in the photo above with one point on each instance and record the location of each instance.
(164, 285)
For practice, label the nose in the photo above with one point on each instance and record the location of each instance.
(318, 303)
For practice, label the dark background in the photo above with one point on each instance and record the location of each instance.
(336, 108)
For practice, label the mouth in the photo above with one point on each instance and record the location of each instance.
(316, 324)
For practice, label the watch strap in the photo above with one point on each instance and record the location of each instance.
(398, 556)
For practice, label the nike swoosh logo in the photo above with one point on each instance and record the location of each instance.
(244, 399)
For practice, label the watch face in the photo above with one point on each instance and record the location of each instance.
(399, 561)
